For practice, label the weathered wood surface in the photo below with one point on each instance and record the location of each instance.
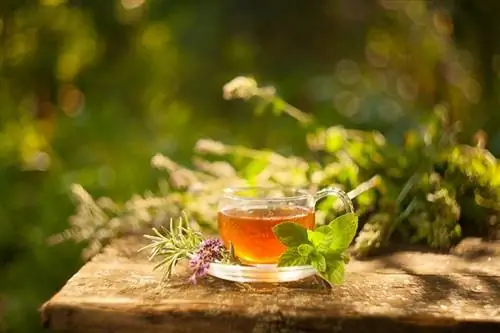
(403, 292)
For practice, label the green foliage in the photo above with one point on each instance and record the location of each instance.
(417, 198)
(323, 248)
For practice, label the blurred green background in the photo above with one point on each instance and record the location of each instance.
(90, 90)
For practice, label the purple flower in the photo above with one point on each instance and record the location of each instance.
(210, 250)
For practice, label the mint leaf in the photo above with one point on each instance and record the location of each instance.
(305, 249)
(318, 261)
(315, 237)
(321, 239)
(334, 273)
(291, 257)
(324, 229)
(343, 229)
(290, 234)
(322, 248)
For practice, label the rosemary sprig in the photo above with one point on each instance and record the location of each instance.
(177, 242)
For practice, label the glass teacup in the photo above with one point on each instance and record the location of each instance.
(247, 215)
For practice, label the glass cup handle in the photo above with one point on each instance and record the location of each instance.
(338, 193)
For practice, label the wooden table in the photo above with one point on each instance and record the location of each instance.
(402, 292)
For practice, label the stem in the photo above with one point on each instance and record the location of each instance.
(294, 112)
(408, 186)
(289, 109)
(254, 154)
(395, 223)
(363, 187)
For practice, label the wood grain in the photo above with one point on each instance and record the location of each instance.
(402, 292)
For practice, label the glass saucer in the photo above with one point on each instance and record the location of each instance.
(260, 273)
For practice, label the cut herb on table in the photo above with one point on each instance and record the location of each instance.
(323, 248)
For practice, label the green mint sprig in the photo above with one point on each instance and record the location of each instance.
(323, 248)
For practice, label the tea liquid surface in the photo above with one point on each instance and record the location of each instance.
(250, 231)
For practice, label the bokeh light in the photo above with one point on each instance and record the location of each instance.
(132, 4)
(407, 87)
(71, 100)
(347, 103)
(378, 48)
(443, 23)
(52, 2)
(347, 72)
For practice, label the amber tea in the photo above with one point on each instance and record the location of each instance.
(250, 230)
(247, 216)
